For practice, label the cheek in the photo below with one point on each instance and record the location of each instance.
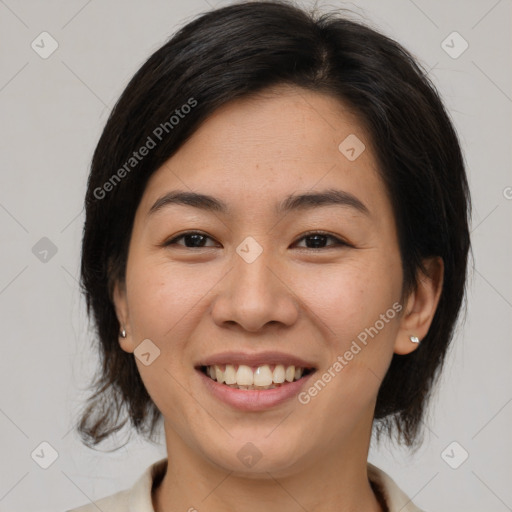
(164, 303)
(162, 297)
(358, 309)
(351, 297)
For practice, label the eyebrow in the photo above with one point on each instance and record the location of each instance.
(293, 202)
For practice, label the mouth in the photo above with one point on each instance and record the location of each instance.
(244, 377)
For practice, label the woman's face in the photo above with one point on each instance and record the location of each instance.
(315, 284)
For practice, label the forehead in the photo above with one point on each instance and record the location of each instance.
(282, 141)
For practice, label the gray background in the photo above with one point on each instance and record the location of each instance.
(52, 113)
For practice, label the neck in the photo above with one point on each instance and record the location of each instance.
(331, 482)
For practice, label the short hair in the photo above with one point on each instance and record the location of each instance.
(237, 51)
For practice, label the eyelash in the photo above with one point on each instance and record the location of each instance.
(339, 242)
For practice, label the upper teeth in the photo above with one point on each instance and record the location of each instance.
(261, 376)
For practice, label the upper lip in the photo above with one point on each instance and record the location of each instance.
(258, 359)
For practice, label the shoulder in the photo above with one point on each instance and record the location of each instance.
(137, 498)
(395, 498)
(117, 502)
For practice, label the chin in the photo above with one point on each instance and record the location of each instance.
(254, 456)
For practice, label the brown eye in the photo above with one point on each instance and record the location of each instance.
(193, 239)
(317, 240)
(314, 240)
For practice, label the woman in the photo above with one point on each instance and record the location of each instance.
(274, 255)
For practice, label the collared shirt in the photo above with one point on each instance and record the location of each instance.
(138, 497)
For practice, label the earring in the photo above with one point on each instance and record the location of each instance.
(414, 339)
(122, 333)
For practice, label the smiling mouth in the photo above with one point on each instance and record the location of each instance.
(255, 378)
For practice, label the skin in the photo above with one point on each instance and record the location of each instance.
(311, 302)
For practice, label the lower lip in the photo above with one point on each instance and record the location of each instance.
(254, 400)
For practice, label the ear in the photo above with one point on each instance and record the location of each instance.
(421, 306)
(122, 312)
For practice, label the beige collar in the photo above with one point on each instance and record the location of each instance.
(138, 497)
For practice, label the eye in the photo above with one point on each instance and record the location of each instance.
(196, 239)
(319, 237)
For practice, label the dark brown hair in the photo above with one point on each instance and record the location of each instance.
(237, 51)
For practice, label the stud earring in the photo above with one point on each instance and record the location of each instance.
(122, 333)
(414, 339)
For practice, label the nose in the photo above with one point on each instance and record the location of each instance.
(254, 294)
